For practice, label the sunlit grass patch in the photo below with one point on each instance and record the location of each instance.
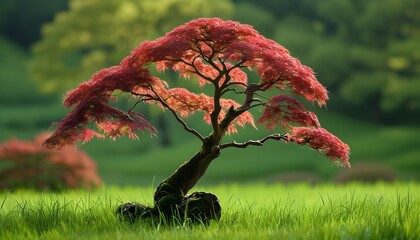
(254, 211)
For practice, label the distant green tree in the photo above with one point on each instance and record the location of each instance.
(403, 61)
(95, 34)
(380, 45)
(366, 52)
(261, 18)
(20, 20)
(12, 73)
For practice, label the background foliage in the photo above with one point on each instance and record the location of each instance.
(365, 52)
(26, 164)
(95, 34)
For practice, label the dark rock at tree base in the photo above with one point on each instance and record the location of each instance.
(202, 207)
(131, 211)
(199, 207)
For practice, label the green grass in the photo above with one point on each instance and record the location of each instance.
(253, 211)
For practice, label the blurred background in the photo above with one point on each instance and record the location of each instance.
(366, 52)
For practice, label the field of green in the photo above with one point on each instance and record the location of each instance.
(251, 211)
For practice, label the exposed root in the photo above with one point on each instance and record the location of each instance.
(199, 207)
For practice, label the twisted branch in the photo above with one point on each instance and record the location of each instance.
(259, 142)
(177, 117)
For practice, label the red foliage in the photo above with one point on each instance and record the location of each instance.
(214, 52)
(324, 142)
(34, 166)
(190, 48)
(283, 110)
(186, 102)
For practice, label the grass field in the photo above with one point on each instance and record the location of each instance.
(254, 211)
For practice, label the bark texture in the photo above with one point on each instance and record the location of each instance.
(171, 199)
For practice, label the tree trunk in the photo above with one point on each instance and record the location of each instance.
(172, 191)
(170, 197)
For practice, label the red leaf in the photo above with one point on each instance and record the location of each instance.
(284, 110)
(323, 141)
(186, 102)
(126, 125)
(87, 134)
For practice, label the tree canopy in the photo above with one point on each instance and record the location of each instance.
(214, 52)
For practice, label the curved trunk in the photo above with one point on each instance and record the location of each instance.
(170, 196)
(173, 189)
(171, 192)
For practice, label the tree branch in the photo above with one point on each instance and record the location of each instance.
(233, 113)
(260, 103)
(237, 83)
(238, 64)
(209, 58)
(177, 117)
(208, 79)
(249, 92)
(230, 90)
(259, 142)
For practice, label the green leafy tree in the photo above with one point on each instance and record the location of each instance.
(261, 18)
(94, 34)
(380, 41)
(20, 20)
(366, 52)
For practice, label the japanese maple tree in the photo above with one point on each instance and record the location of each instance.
(209, 51)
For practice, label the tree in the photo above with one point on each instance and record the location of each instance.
(94, 34)
(27, 164)
(364, 51)
(379, 42)
(380, 45)
(214, 53)
(20, 20)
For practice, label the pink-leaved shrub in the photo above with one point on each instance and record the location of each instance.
(28, 164)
